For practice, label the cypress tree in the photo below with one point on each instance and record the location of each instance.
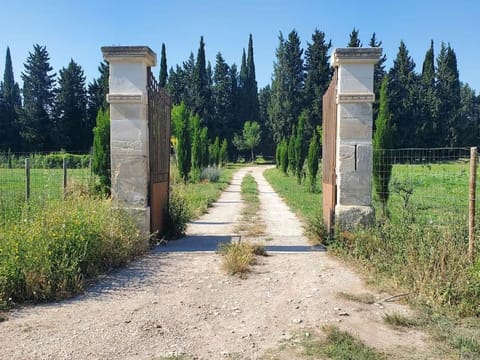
(242, 92)
(378, 74)
(251, 89)
(291, 152)
(427, 126)
(97, 98)
(382, 139)
(38, 99)
(195, 132)
(162, 77)
(180, 119)
(300, 146)
(448, 94)
(11, 106)
(101, 150)
(224, 106)
(312, 162)
(71, 128)
(284, 156)
(201, 91)
(224, 153)
(215, 152)
(204, 147)
(354, 41)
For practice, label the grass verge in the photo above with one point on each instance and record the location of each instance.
(251, 225)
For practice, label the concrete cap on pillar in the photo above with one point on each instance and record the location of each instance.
(130, 54)
(356, 55)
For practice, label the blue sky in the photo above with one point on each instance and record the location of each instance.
(77, 29)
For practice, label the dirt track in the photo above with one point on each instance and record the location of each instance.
(177, 300)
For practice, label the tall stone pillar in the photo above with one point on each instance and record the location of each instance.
(129, 128)
(354, 157)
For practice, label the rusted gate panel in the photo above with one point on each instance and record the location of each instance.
(159, 109)
(329, 125)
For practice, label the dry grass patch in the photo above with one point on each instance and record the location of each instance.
(397, 320)
(238, 257)
(364, 298)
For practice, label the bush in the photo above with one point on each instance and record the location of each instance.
(49, 252)
(178, 215)
(211, 174)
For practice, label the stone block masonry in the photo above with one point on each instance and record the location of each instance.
(354, 136)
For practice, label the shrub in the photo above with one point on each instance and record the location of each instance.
(237, 257)
(101, 150)
(178, 215)
(50, 251)
(211, 174)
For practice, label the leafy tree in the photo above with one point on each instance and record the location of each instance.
(97, 98)
(287, 87)
(448, 94)
(382, 139)
(38, 99)
(224, 153)
(354, 40)
(312, 162)
(378, 74)
(300, 146)
(250, 138)
(101, 150)
(10, 103)
(71, 127)
(162, 77)
(318, 76)
(180, 119)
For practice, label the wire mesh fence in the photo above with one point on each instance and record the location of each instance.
(39, 178)
(427, 186)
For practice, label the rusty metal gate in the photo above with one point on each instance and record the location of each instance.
(329, 119)
(159, 109)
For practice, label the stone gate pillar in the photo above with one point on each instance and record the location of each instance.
(354, 159)
(129, 128)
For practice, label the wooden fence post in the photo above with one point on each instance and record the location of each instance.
(471, 207)
(64, 177)
(27, 179)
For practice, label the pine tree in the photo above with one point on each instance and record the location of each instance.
(201, 90)
(287, 87)
(97, 97)
(403, 99)
(448, 94)
(180, 120)
(38, 100)
(382, 140)
(11, 107)
(101, 150)
(378, 74)
(318, 76)
(312, 162)
(176, 85)
(162, 77)
(222, 121)
(71, 128)
(354, 40)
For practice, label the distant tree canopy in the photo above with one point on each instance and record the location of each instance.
(431, 108)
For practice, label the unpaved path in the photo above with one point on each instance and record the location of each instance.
(177, 300)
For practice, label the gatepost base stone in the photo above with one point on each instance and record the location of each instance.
(352, 217)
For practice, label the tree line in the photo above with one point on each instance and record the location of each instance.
(50, 112)
(430, 108)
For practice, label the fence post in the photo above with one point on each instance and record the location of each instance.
(27, 179)
(471, 207)
(64, 177)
